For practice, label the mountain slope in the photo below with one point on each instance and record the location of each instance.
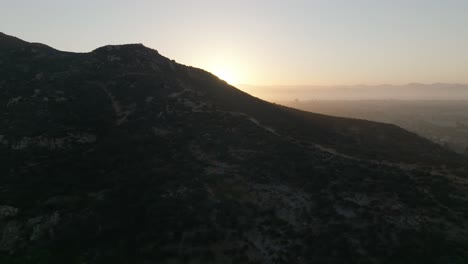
(121, 155)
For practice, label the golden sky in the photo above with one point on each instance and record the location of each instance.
(267, 42)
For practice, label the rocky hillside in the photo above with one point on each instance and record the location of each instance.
(121, 155)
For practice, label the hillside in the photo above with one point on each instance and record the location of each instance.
(121, 155)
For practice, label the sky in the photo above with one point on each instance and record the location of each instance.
(266, 42)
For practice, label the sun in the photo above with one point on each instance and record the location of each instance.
(227, 75)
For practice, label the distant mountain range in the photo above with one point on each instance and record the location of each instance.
(413, 91)
(121, 155)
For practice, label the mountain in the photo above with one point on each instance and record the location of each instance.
(121, 155)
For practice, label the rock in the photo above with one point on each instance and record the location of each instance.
(39, 76)
(113, 58)
(22, 144)
(11, 236)
(43, 225)
(161, 132)
(7, 211)
(149, 99)
(14, 101)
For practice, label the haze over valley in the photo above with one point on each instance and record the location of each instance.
(408, 92)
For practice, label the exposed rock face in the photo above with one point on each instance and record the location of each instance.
(7, 211)
(11, 236)
(43, 226)
(124, 156)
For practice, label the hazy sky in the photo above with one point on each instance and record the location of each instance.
(266, 42)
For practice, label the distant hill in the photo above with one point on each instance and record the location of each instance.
(414, 91)
(121, 155)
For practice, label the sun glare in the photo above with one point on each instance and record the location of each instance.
(226, 75)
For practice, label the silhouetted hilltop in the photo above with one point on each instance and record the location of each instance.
(121, 155)
(10, 42)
